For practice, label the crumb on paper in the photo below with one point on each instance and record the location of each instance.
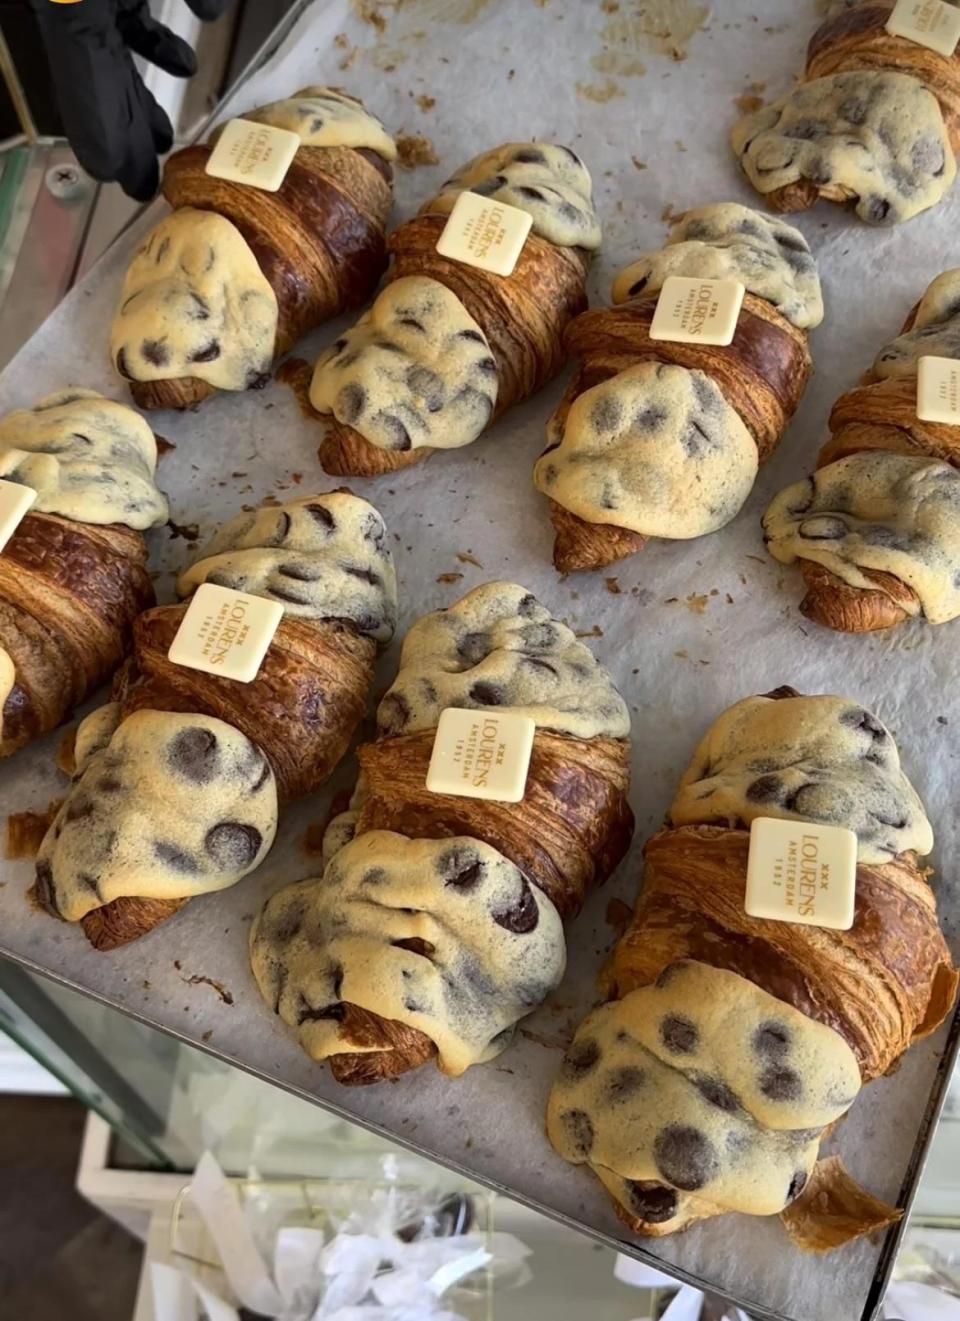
(671, 600)
(682, 655)
(413, 150)
(613, 586)
(748, 102)
(25, 830)
(449, 577)
(697, 602)
(368, 11)
(426, 102)
(637, 163)
(465, 557)
(607, 91)
(164, 446)
(595, 632)
(189, 531)
(197, 979)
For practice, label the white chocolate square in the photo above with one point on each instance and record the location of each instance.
(485, 233)
(697, 311)
(225, 632)
(254, 154)
(927, 22)
(15, 500)
(481, 754)
(938, 389)
(801, 871)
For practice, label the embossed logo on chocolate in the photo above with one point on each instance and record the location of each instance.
(697, 311)
(927, 22)
(15, 500)
(802, 871)
(254, 154)
(225, 632)
(938, 390)
(485, 233)
(481, 754)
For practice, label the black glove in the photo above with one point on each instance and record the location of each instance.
(114, 124)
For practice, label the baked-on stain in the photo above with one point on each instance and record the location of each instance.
(414, 150)
(25, 830)
(660, 27)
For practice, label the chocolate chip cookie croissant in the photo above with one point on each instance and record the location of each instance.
(446, 347)
(179, 780)
(876, 529)
(874, 123)
(73, 575)
(236, 275)
(662, 439)
(730, 1042)
(438, 920)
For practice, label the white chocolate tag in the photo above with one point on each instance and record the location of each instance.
(938, 389)
(225, 632)
(481, 754)
(15, 500)
(927, 22)
(801, 871)
(697, 311)
(485, 233)
(254, 154)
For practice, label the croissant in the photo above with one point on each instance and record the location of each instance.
(236, 275)
(73, 575)
(446, 348)
(438, 920)
(730, 1043)
(663, 439)
(876, 528)
(179, 779)
(874, 123)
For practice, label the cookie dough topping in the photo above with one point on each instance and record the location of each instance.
(549, 182)
(415, 371)
(498, 646)
(876, 138)
(728, 241)
(326, 117)
(821, 758)
(935, 331)
(656, 449)
(877, 512)
(167, 806)
(195, 303)
(700, 1089)
(445, 936)
(87, 457)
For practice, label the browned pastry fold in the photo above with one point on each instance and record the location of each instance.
(320, 240)
(838, 605)
(523, 317)
(69, 593)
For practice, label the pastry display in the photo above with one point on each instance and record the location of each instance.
(448, 347)
(876, 529)
(237, 274)
(178, 781)
(73, 575)
(655, 438)
(729, 1043)
(437, 922)
(874, 123)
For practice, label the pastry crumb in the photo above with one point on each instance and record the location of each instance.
(637, 163)
(465, 557)
(449, 577)
(189, 531)
(197, 979)
(613, 586)
(595, 632)
(697, 603)
(164, 446)
(413, 150)
(426, 102)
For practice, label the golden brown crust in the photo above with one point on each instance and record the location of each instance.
(835, 604)
(384, 1048)
(69, 593)
(880, 985)
(579, 545)
(883, 415)
(344, 452)
(320, 240)
(834, 1210)
(124, 920)
(301, 709)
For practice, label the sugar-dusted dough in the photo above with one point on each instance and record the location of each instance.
(821, 758)
(87, 457)
(729, 241)
(167, 806)
(326, 117)
(549, 182)
(323, 556)
(446, 936)
(195, 303)
(885, 512)
(935, 331)
(876, 137)
(416, 370)
(656, 449)
(700, 1089)
(498, 646)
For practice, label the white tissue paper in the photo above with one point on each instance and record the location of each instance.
(687, 1305)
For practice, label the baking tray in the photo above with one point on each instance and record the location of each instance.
(646, 93)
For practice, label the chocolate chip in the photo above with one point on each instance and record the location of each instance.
(580, 1059)
(209, 353)
(233, 845)
(288, 925)
(522, 917)
(471, 335)
(578, 1129)
(876, 210)
(121, 365)
(474, 647)
(416, 946)
(781, 1084)
(638, 286)
(374, 876)
(487, 694)
(200, 309)
(410, 321)
(365, 575)
(858, 718)
(78, 808)
(336, 1012)
(650, 1201)
(766, 789)
(797, 1185)
(530, 157)
(716, 1092)
(175, 858)
(301, 573)
(461, 868)
(351, 402)
(45, 889)
(685, 1157)
(624, 1083)
(194, 754)
(606, 413)
(771, 1040)
(397, 433)
(650, 417)
(394, 713)
(155, 351)
(679, 1034)
(322, 515)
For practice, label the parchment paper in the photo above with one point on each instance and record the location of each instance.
(686, 628)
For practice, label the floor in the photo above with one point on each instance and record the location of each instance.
(60, 1259)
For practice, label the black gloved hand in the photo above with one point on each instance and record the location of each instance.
(113, 122)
